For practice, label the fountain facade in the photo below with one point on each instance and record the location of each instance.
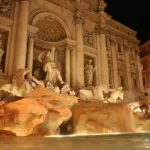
(60, 58)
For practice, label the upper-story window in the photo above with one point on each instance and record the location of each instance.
(144, 81)
(119, 48)
(143, 65)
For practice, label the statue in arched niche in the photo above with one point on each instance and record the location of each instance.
(49, 56)
(53, 76)
(89, 72)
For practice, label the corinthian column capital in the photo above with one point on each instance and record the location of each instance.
(79, 19)
(70, 47)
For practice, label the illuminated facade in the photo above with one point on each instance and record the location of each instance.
(145, 61)
(80, 30)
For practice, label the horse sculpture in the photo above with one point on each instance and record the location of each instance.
(115, 95)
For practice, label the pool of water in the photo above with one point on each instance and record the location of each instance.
(99, 142)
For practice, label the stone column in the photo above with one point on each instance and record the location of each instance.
(21, 36)
(115, 65)
(73, 67)
(79, 52)
(98, 60)
(128, 67)
(139, 72)
(67, 65)
(30, 53)
(12, 41)
(103, 56)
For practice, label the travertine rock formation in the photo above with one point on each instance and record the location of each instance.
(141, 111)
(41, 112)
(99, 118)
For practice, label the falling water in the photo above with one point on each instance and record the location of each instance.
(102, 118)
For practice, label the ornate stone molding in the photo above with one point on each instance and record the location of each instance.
(32, 31)
(102, 18)
(70, 47)
(100, 30)
(134, 75)
(88, 37)
(35, 13)
(122, 72)
(6, 22)
(70, 42)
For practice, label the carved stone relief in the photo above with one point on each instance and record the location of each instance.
(122, 74)
(88, 37)
(5, 7)
(133, 57)
(109, 52)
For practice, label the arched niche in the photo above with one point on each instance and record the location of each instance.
(42, 15)
(52, 32)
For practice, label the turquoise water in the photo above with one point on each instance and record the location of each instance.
(111, 142)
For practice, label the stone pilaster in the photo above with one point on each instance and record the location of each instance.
(128, 67)
(79, 51)
(67, 65)
(73, 67)
(12, 42)
(30, 53)
(21, 36)
(139, 72)
(115, 64)
(103, 70)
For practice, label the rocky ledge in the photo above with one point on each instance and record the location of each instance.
(40, 112)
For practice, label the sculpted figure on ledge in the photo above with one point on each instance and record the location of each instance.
(49, 56)
(102, 93)
(53, 78)
(89, 71)
(52, 73)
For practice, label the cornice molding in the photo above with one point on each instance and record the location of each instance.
(100, 30)
(6, 22)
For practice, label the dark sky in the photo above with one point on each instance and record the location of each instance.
(132, 13)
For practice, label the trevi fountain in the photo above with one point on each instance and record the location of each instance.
(70, 78)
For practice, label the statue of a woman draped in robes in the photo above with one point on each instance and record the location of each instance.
(89, 72)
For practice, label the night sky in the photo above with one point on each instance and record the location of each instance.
(132, 13)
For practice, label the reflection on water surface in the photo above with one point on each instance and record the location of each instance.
(111, 142)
